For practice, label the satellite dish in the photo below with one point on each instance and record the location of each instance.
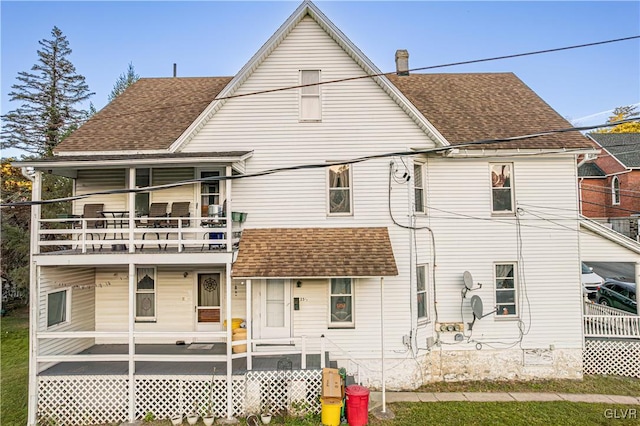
(476, 306)
(468, 280)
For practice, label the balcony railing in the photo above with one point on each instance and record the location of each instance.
(124, 234)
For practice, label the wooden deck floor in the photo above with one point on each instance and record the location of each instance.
(174, 367)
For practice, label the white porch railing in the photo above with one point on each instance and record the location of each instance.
(605, 321)
(125, 234)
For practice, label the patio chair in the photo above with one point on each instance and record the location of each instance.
(156, 219)
(92, 211)
(178, 209)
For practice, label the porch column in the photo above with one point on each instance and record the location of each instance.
(228, 222)
(34, 294)
(249, 300)
(637, 286)
(132, 347)
(229, 341)
(132, 209)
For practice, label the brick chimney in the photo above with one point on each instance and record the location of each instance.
(402, 62)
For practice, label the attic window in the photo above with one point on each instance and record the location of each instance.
(310, 106)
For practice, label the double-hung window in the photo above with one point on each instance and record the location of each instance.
(615, 191)
(506, 289)
(502, 188)
(421, 292)
(340, 189)
(310, 102)
(145, 294)
(58, 304)
(418, 187)
(341, 302)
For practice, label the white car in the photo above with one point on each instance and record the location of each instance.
(590, 281)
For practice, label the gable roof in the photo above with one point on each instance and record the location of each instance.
(468, 107)
(149, 116)
(590, 169)
(314, 252)
(623, 146)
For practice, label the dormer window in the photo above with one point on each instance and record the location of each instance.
(310, 106)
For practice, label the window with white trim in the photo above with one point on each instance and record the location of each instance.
(340, 189)
(341, 301)
(310, 104)
(421, 292)
(418, 187)
(145, 294)
(58, 307)
(615, 191)
(506, 289)
(502, 188)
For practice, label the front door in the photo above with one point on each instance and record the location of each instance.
(208, 302)
(275, 309)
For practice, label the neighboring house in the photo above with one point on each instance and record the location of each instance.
(610, 184)
(325, 264)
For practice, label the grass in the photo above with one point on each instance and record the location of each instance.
(14, 356)
(14, 367)
(607, 385)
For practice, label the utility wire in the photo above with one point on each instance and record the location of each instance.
(481, 142)
(340, 80)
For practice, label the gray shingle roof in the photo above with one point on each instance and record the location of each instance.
(624, 146)
(590, 170)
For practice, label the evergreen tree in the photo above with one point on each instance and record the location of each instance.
(125, 80)
(49, 97)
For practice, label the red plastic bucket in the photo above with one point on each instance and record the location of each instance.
(357, 405)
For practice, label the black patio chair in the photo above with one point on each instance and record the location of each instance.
(157, 219)
(92, 211)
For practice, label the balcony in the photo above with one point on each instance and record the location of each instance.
(116, 232)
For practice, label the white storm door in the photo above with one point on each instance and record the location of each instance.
(275, 305)
(208, 302)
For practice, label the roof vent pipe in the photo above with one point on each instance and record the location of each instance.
(402, 62)
(175, 70)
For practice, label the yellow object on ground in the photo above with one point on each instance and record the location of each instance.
(239, 334)
(235, 323)
(331, 408)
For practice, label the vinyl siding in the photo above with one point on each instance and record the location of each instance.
(80, 283)
(90, 181)
(178, 193)
(175, 304)
(595, 248)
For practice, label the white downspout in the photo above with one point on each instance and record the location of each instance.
(384, 397)
(229, 340)
(132, 343)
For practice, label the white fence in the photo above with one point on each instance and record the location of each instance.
(604, 321)
(88, 400)
(613, 357)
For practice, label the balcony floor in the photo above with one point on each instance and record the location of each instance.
(266, 363)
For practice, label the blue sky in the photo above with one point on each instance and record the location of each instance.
(210, 38)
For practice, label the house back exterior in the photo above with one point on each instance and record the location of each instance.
(348, 219)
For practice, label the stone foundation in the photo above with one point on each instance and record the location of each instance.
(469, 364)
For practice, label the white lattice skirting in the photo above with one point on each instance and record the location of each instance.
(615, 357)
(86, 400)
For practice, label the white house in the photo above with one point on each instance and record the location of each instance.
(336, 220)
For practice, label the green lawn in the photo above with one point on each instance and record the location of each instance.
(14, 356)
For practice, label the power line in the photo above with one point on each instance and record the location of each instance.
(482, 142)
(340, 80)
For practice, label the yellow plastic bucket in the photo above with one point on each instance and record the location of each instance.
(239, 334)
(331, 409)
(235, 323)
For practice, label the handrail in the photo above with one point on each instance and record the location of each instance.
(596, 309)
(612, 326)
(118, 232)
(349, 357)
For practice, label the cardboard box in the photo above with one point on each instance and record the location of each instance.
(331, 383)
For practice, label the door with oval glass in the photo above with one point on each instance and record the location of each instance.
(209, 302)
